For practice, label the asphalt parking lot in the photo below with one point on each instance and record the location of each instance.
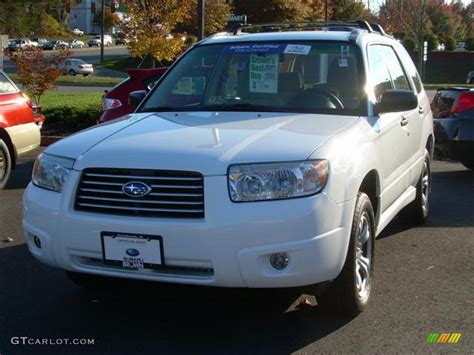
(424, 283)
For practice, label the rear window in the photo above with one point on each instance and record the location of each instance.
(6, 86)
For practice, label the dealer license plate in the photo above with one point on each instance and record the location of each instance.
(132, 251)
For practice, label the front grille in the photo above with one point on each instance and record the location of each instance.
(174, 194)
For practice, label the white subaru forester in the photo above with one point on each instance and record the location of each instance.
(268, 157)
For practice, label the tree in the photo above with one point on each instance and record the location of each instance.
(50, 27)
(344, 10)
(37, 72)
(111, 20)
(149, 27)
(445, 21)
(216, 17)
(470, 43)
(409, 43)
(261, 11)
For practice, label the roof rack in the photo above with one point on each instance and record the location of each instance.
(292, 25)
(378, 28)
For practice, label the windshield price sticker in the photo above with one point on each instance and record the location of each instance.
(263, 74)
(297, 49)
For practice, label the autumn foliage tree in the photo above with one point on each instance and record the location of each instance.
(38, 73)
(150, 25)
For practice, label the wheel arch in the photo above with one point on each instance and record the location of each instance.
(430, 146)
(370, 185)
(11, 147)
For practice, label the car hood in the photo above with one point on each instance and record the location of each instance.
(207, 142)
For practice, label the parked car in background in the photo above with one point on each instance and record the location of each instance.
(73, 66)
(55, 44)
(259, 160)
(115, 102)
(20, 124)
(121, 41)
(75, 43)
(96, 41)
(21, 43)
(453, 113)
(78, 32)
(40, 41)
(470, 78)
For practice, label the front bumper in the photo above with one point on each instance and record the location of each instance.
(230, 247)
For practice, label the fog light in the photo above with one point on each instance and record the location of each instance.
(37, 241)
(279, 261)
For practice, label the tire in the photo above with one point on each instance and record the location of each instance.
(468, 163)
(72, 72)
(90, 282)
(5, 164)
(349, 293)
(85, 75)
(417, 211)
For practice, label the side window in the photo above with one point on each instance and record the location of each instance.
(149, 83)
(5, 85)
(379, 74)
(410, 68)
(399, 78)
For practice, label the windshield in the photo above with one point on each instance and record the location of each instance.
(309, 76)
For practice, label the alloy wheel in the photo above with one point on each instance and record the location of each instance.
(363, 269)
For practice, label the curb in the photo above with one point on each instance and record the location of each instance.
(48, 140)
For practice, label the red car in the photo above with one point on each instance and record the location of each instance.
(20, 124)
(115, 102)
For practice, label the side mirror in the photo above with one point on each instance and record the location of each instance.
(135, 97)
(396, 101)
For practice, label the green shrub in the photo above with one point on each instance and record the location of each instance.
(64, 120)
(450, 43)
(409, 43)
(432, 42)
(470, 43)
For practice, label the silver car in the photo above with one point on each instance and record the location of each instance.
(77, 66)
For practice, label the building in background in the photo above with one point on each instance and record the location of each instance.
(83, 15)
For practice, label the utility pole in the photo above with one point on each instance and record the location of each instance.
(102, 32)
(420, 39)
(201, 15)
(326, 10)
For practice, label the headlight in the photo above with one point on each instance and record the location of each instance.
(51, 172)
(259, 182)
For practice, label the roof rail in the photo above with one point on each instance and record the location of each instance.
(292, 25)
(378, 28)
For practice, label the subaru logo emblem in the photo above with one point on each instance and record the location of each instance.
(132, 252)
(136, 189)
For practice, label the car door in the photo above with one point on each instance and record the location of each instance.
(394, 138)
(421, 118)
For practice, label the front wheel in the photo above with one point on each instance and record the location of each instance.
(5, 164)
(349, 293)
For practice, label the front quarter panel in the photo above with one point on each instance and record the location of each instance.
(352, 154)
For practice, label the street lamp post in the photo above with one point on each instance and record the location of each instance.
(201, 14)
(102, 32)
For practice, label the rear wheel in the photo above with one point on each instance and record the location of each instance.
(5, 164)
(72, 72)
(468, 163)
(349, 293)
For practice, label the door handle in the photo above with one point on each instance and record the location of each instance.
(421, 110)
(404, 121)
